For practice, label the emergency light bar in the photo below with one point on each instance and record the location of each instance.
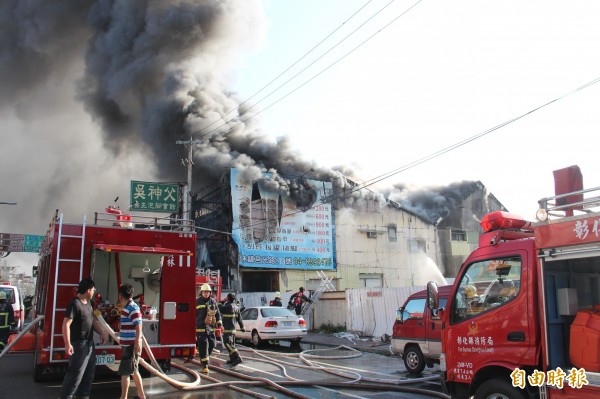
(499, 220)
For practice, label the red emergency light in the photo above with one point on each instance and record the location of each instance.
(499, 220)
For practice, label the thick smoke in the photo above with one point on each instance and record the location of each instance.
(432, 203)
(96, 93)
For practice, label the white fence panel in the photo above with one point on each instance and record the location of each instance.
(371, 312)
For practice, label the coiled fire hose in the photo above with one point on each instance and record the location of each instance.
(154, 368)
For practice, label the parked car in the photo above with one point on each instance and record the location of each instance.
(13, 296)
(416, 335)
(264, 323)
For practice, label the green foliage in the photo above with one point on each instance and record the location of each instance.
(330, 328)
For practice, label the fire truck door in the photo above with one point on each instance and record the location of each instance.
(177, 312)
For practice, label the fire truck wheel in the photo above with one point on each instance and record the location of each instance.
(414, 360)
(498, 389)
(256, 338)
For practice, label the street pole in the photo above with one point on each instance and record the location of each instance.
(187, 192)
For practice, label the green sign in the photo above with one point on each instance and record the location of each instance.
(32, 243)
(154, 197)
(10, 242)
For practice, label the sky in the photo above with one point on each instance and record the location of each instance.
(409, 85)
(84, 100)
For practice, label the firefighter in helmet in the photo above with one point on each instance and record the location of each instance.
(7, 319)
(208, 318)
(277, 300)
(230, 312)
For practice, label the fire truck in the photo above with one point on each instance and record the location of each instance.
(156, 256)
(523, 317)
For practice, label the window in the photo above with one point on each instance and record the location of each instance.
(392, 233)
(459, 235)
(486, 285)
(414, 309)
(417, 246)
(250, 314)
(371, 234)
(370, 280)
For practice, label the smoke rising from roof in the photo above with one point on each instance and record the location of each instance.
(95, 94)
(433, 202)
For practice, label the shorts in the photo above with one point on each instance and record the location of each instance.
(129, 361)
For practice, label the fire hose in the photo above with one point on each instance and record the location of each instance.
(21, 334)
(153, 368)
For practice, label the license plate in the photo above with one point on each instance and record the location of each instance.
(105, 359)
(287, 323)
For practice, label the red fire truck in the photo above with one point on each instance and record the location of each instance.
(523, 318)
(156, 256)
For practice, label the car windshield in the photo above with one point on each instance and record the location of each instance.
(276, 312)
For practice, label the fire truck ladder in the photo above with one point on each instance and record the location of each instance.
(324, 286)
(67, 264)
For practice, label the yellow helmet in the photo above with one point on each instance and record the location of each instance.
(277, 294)
(2, 295)
(205, 287)
(470, 291)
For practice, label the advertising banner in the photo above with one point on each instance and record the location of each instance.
(272, 232)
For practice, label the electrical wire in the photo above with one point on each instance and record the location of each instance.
(317, 74)
(286, 70)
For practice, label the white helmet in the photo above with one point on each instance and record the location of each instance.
(277, 294)
(205, 287)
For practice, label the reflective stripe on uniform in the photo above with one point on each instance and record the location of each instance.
(4, 316)
(200, 329)
(200, 306)
(227, 315)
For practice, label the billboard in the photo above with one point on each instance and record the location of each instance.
(271, 231)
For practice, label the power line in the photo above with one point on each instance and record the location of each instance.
(312, 63)
(282, 73)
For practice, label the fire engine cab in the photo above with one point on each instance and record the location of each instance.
(523, 317)
(156, 256)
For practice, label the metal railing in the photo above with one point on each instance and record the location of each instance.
(565, 202)
(132, 221)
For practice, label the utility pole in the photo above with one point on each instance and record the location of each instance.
(187, 192)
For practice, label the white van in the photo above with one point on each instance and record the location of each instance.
(13, 296)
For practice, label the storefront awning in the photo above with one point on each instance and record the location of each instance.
(140, 250)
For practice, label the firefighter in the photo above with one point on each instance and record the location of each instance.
(208, 318)
(297, 300)
(230, 312)
(7, 319)
(276, 301)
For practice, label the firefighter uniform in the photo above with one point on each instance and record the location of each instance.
(7, 319)
(230, 312)
(208, 318)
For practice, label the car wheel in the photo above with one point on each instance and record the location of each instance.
(256, 338)
(414, 360)
(498, 389)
